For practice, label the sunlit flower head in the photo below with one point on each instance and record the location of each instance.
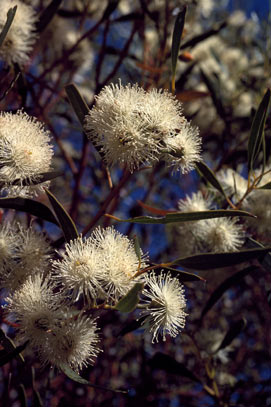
(80, 270)
(119, 261)
(25, 153)
(22, 34)
(184, 149)
(73, 342)
(8, 244)
(165, 304)
(131, 127)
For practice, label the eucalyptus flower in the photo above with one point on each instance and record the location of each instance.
(22, 33)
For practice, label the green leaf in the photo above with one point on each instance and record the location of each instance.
(137, 248)
(76, 100)
(29, 206)
(235, 329)
(257, 130)
(209, 175)
(9, 346)
(66, 223)
(47, 15)
(184, 216)
(170, 365)
(208, 261)
(129, 302)
(132, 326)
(10, 16)
(76, 378)
(176, 41)
(223, 287)
(213, 85)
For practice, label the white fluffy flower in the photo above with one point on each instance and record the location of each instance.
(165, 304)
(59, 335)
(8, 244)
(234, 184)
(28, 253)
(223, 235)
(73, 341)
(36, 308)
(21, 36)
(80, 270)
(131, 126)
(207, 235)
(119, 261)
(25, 153)
(185, 147)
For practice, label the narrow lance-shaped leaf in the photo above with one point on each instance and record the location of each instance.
(184, 216)
(10, 16)
(183, 276)
(137, 248)
(29, 206)
(22, 395)
(79, 105)
(47, 15)
(132, 326)
(66, 223)
(170, 365)
(12, 354)
(235, 329)
(209, 175)
(266, 186)
(40, 178)
(9, 346)
(208, 261)
(257, 130)
(220, 290)
(176, 41)
(129, 302)
(71, 374)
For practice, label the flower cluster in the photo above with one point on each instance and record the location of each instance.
(21, 35)
(131, 126)
(207, 235)
(25, 154)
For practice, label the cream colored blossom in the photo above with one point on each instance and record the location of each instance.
(118, 261)
(132, 127)
(80, 271)
(165, 304)
(25, 153)
(22, 34)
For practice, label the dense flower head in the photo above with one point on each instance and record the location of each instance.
(25, 153)
(79, 270)
(73, 342)
(60, 336)
(165, 304)
(131, 126)
(21, 35)
(25, 253)
(119, 261)
(207, 235)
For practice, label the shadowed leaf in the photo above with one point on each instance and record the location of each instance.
(131, 326)
(9, 346)
(47, 15)
(183, 276)
(176, 41)
(40, 178)
(229, 282)
(22, 395)
(129, 302)
(76, 100)
(29, 206)
(170, 365)
(65, 221)
(266, 186)
(235, 329)
(12, 354)
(209, 175)
(210, 261)
(257, 129)
(76, 378)
(10, 16)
